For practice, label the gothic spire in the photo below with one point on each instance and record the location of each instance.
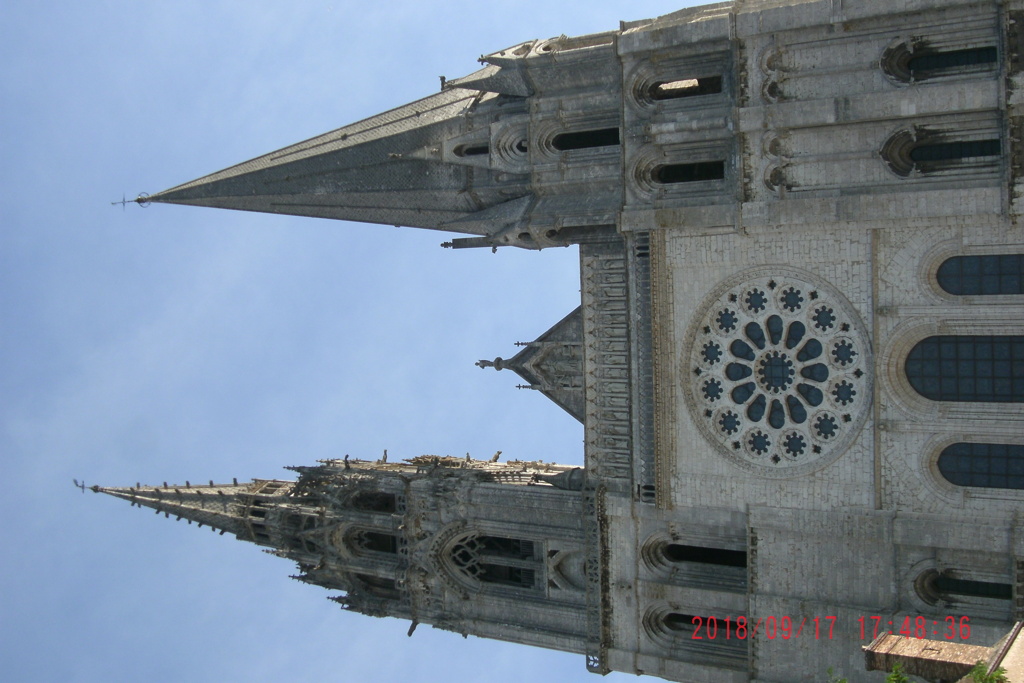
(219, 506)
(416, 165)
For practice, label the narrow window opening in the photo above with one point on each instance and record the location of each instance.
(955, 151)
(928, 63)
(689, 173)
(675, 552)
(586, 139)
(472, 150)
(975, 589)
(690, 87)
(256, 512)
(982, 275)
(984, 465)
(933, 586)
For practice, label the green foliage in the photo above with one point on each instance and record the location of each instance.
(980, 674)
(897, 675)
(832, 678)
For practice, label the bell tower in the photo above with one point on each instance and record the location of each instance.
(488, 548)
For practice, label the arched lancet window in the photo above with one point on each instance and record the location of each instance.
(374, 542)
(669, 174)
(923, 151)
(982, 275)
(933, 586)
(985, 465)
(689, 87)
(982, 369)
(919, 62)
(954, 151)
(474, 150)
(928, 64)
(585, 139)
(675, 552)
(497, 560)
(697, 638)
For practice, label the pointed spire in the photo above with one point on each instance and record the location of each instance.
(394, 168)
(218, 506)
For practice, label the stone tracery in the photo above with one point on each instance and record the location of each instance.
(781, 364)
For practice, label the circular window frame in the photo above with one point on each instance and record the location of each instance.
(761, 440)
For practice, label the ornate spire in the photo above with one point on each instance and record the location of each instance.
(219, 506)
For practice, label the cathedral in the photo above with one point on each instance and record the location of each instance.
(798, 355)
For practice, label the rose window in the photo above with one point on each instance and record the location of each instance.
(781, 364)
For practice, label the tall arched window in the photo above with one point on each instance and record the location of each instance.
(919, 151)
(982, 369)
(688, 87)
(917, 62)
(497, 560)
(933, 586)
(982, 275)
(365, 541)
(586, 139)
(669, 174)
(675, 552)
(985, 465)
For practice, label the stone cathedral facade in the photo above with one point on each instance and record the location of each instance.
(798, 356)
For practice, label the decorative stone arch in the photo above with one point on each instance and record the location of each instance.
(954, 149)
(928, 269)
(439, 558)
(928, 469)
(681, 83)
(474, 564)
(908, 60)
(566, 570)
(510, 145)
(670, 630)
(695, 563)
(372, 542)
(921, 588)
(696, 170)
(547, 134)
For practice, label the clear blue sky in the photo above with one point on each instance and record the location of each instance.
(175, 343)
